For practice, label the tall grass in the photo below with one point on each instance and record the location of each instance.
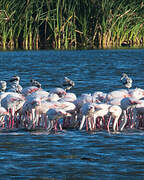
(68, 24)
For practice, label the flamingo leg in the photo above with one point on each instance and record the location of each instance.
(86, 124)
(82, 122)
(115, 124)
(98, 122)
(124, 121)
(108, 124)
(12, 112)
(89, 122)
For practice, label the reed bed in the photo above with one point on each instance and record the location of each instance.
(71, 24)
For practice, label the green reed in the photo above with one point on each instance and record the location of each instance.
(68, 24)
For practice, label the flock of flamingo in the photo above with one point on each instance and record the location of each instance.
(34, 108)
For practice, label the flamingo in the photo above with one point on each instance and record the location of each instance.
(136, 93)
(35, 83)
(29, 90)
(126, 104)
(3, 114)
(101, 110)
(115, 101)
(87, 110)
(99, 96)
(70, 97)
(126, 81)
(138, 110)
(3, 86)
(68, 83)
(39, 93)
(84, 98)
(55, 114)
(120, 93)
(53, 97)
(59, 91)
(15, 86)
(115, 112)
(12, 102)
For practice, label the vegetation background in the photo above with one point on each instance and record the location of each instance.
(71, 24)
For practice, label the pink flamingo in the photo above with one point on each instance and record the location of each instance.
(29, 90)
(12, 102)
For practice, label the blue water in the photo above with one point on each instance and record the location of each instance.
(73, 154)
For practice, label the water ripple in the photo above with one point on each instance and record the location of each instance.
(73, 154)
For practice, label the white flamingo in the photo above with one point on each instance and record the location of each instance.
(101, 110)
(15, 86)
(54, 115)
(12, 102)
(87, 110)
(29, 90)
(69, 97)
(137, 111)
(136, 93)
(53, 97)
(3, 86)
(120, 93)
(3, 114)
(126, 81)
(115, 112)
(126, 104)
(59, 91)
(68, 83)
(98, 95)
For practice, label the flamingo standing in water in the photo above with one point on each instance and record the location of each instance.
(69, 107)
(87, 110)
(115, 112)
(137, 112)
(126, 104)
(3, 114)
(12, 102)
(101, 110)
(54, 115)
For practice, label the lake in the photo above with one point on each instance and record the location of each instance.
(73, 154)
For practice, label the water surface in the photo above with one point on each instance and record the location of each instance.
(73, 154)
